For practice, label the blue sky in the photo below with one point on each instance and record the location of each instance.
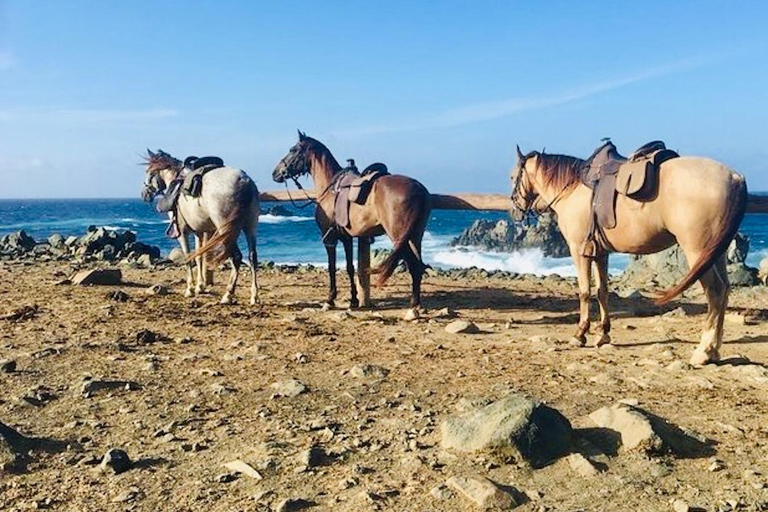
(441, 91)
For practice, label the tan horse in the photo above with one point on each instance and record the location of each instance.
(397, 206)
(699, 205)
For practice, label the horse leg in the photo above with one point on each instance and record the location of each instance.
(716, 288)
(184, 243)
(253, 259)
(200, 287)
(228, 298)
(584, 273)
(348, 245)
(601, 263)
(331, 250)
(364, 269)
(416, 269)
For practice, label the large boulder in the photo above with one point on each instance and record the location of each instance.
(762, 272)
(505, 236)
(738, 250)
(514, 427)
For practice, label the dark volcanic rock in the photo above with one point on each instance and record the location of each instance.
(505, 236)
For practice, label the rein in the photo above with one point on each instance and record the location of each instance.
(309, 199)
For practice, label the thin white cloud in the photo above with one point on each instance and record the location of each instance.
(7, 59)
(485, 111)
(88, 115)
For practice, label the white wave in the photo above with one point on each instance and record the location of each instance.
(268, 218)
(526, 261)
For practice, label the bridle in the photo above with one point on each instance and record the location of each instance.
(303, 164)
(530, 198)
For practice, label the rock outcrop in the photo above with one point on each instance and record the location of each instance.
(506, 236)
(97, 244)
(666, 268)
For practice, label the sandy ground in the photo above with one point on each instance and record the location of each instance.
(203, 394)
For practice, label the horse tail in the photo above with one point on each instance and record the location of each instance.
(403, 246)
(734, 214)
(223, 241)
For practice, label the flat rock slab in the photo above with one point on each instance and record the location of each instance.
(483, 492)
(239, 466)
(102, 277)
(461, 327)
(639, 429)
(515, 427)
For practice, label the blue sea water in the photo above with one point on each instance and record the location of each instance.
(296, 239)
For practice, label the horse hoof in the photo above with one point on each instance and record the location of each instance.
(354, 304)
(227, 299)
(411, 315)
(188, 293)
(603, 339)
(327, 306)
(700, 358)
(577, 342)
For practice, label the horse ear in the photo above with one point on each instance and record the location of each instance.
(150, 153)
(302, 136)
(519, 153)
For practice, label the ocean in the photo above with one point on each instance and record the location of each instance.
(296, 239)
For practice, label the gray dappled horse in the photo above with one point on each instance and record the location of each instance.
(228, 204)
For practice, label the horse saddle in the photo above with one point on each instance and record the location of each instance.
(194, 170)
(608, 174)
(352, 187)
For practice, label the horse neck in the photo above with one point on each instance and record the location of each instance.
(323, 167)
(550, 195)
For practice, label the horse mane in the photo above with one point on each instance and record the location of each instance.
(161, 160)
(317, 149)
(559, 171)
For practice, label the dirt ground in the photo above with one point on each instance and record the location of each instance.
(202, 395)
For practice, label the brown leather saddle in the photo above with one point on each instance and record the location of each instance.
(351, 187)
(608, 174)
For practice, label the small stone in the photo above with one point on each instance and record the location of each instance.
(238, 466)
(225, 478)
(7, 365)
(291, 504)
(441, 492)
(680, 506)
(311, 457)
(301, 358)
(582, 465)
(127, 496)
(289, 388)
(411, 315)
(444, 313)
(715, 465)
(368, 371)
(118, 296)
(116, 460)
(461, 327)
(157, 289)
(482, 492)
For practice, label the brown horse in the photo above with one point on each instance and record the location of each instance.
(699, 205)
(397, 206)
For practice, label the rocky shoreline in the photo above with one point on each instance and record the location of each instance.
(116, 247)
